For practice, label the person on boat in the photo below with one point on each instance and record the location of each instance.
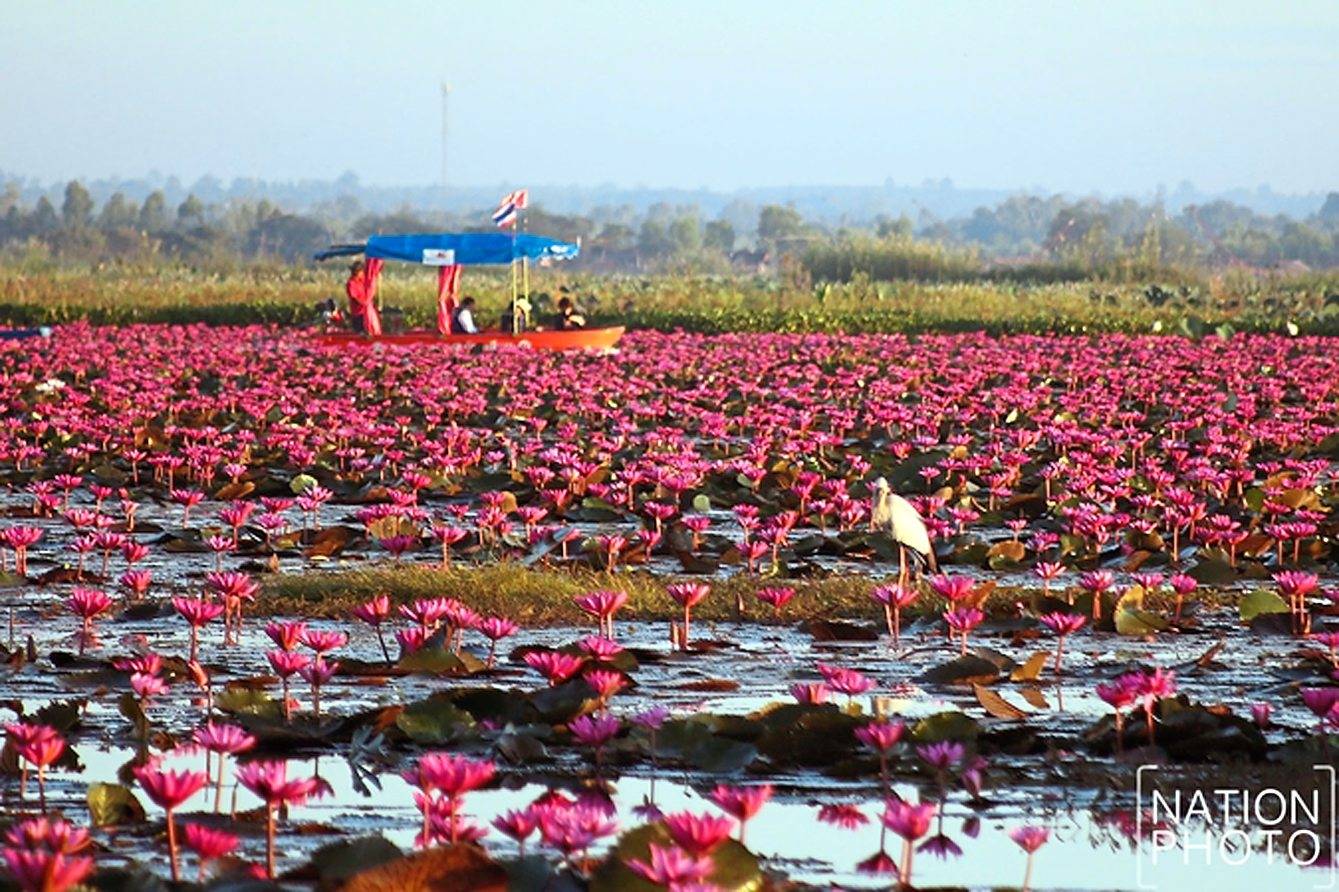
(356, 289)
(569, 317)
(521, 321)
(463, 320)
(332, 318)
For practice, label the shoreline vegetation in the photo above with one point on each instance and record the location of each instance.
(1189, 304)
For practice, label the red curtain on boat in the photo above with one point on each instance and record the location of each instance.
(362, 291)
(448, 287)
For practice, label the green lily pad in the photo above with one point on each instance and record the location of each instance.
(432, 661)
(803, 734)
(559, 705)
(249, 701)
(521, 749)
(948, 725)
(129, 707)
(1259, 602)
(1135, 622)
(1212, 569)
(434, 720)
(301, 483)
(693, 742)
(338, 861)
(537, 872)
(965, 670)
(494, 704)
(112, 804)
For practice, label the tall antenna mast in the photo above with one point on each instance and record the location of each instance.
(446, 95)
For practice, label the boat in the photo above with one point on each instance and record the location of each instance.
(23, 334)
(449, 252)
(569, 339)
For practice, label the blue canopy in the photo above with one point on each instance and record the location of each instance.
(465, 248)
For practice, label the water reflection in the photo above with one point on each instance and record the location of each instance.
(1092, 845)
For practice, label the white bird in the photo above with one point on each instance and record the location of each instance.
(899, 518)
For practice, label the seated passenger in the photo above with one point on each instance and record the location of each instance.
(569, 317)
(521, 320)
(331, 317)
(462, 322)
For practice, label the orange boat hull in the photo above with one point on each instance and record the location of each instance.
(575, 339)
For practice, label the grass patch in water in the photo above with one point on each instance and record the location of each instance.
(544, 596)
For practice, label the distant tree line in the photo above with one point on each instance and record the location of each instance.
(1039, 236)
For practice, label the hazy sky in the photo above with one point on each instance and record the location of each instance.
(1064, 95)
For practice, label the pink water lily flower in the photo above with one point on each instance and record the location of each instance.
(209, 844)
(671, 867)
(603, 605)
(270, 782)
(46, 855)
(170, 790)
(741, 803)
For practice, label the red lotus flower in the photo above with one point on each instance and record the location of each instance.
(603, 605)
(845, 681)
(450, 774)
(1063, 625)
(43, 855)
(606, 682)
(595, 731)
(198, 612)
(137, 581)
(375, 612)
(911, 822)
(894, 598)
(741, 803)
(776, 597)
(146, 686)
(687, 595)
(316, 673)
(518, 825)
(1029, 839)
(671, 867)
(952, 588)
(554, 665)
(87, 604)
(170, 789)
(20, 539)
(38, 745)
(574, 828)
(880, 736)
(810, 694)
(323, 641)
(235, 590)
(844, 815)
(495, 628)
(270, 782)
(449, 777)
(286, 635)
(208, 844)
(699, 835)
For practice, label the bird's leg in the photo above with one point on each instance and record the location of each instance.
(901, 564)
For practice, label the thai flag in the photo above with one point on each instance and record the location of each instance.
(512, 203)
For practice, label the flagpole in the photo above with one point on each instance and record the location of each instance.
(515, 225)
